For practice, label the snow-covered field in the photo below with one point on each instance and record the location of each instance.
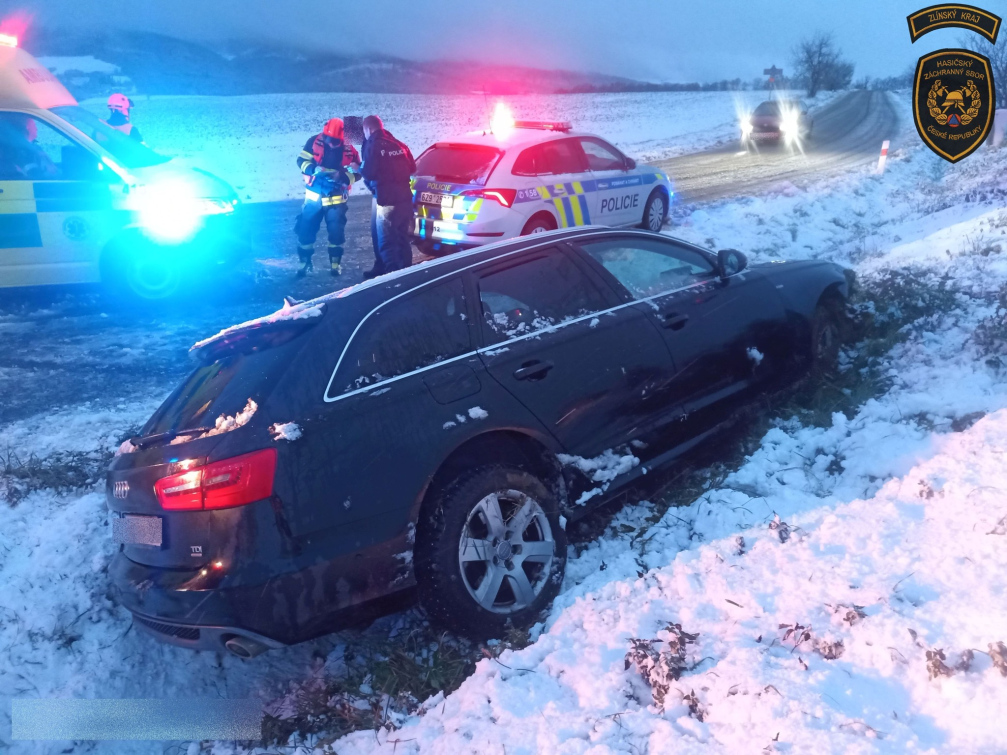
(819, 577)
(252, 141)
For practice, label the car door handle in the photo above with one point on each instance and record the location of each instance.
(675, 321)
(534, 370)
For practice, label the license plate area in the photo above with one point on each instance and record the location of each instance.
(440, 200)
(131, 529)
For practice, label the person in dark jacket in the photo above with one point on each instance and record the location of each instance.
(329, 166)
(387, 169)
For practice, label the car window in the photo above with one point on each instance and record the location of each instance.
(561, 156)
(458, 163)
(602, 156)
(531, 162)
(647, 267)
(534, 294)
(768, 108)
(407, 334)
(32, 150)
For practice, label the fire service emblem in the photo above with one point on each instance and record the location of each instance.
(953, 102)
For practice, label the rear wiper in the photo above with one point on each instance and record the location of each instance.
(149, 440)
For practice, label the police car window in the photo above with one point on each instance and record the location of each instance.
(535, 294)
(601, 156)
(563, 156)
(458, 163)
(407, 334)
(647, 268)
(30, 149)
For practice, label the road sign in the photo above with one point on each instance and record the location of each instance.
(773, 72)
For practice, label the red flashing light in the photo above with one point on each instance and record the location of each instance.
(220, 485)
(505, 197)
(563, 126)
(8, 40)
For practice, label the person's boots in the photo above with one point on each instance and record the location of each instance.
(306, 268)
(374, 272)
(335, 261)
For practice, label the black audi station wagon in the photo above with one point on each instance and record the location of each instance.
(408, 434)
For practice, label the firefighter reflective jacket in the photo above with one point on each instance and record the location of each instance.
(388, 165)
(118, 121)
(323, 162)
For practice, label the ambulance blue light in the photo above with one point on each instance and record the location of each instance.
(170, 211)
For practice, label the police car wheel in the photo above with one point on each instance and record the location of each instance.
(538, 224)
(490, 551)
(655, 212)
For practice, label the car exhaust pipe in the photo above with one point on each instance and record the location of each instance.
(245, 647)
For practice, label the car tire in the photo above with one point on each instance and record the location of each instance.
(826, 336)
(538, 224)
(475, 574)
(137, 275)
(655, 212)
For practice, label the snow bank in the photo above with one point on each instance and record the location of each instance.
(603, 468)
(62, 64)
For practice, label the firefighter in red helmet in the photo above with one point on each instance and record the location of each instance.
(329, 166)
(119, 106)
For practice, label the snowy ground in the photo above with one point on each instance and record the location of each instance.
(880, 533)
(251, 141)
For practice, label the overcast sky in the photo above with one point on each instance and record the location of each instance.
(661, 40)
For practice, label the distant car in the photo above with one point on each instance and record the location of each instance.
(778, 121)
(410, 432)
(529, 177)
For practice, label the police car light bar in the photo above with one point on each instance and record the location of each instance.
(8, 40)
(545, 125)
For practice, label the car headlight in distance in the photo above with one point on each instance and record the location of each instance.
(789, 124)
(746, 127)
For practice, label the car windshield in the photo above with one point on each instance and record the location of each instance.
(768, 108)
(458, 163)
(127, 151)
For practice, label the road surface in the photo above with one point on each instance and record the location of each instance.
(65, 347)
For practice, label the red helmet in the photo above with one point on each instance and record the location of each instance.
(334, 128)
(120, 103)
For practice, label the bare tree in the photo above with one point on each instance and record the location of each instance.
(998, 61)
(818, 64)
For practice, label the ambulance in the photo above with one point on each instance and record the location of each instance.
(81, 202)
(524, 177)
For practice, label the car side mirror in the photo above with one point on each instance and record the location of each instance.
(630, 163)
(731, 262)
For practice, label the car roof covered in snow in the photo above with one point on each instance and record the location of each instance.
(26, 83)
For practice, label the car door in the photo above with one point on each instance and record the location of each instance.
(723, 333)
(565, 180)
(52, 215)
(616, 199)
(590, 372)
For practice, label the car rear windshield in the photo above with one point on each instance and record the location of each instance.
(458, 163)
(768, 108)
(221, 388)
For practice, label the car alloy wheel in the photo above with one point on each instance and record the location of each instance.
(655, 215)
(506, 551)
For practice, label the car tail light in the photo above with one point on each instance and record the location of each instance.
(503, 196)
(220, 485)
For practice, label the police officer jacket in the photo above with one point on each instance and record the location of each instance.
(387, 168)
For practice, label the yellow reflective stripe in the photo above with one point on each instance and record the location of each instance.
(577, 187)
(328, 201)
(578, 216)
(311, 195)
(563, 221)
(306, 155)
(543, 192)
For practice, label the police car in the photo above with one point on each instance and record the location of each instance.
(524, 177)
(81, 202)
